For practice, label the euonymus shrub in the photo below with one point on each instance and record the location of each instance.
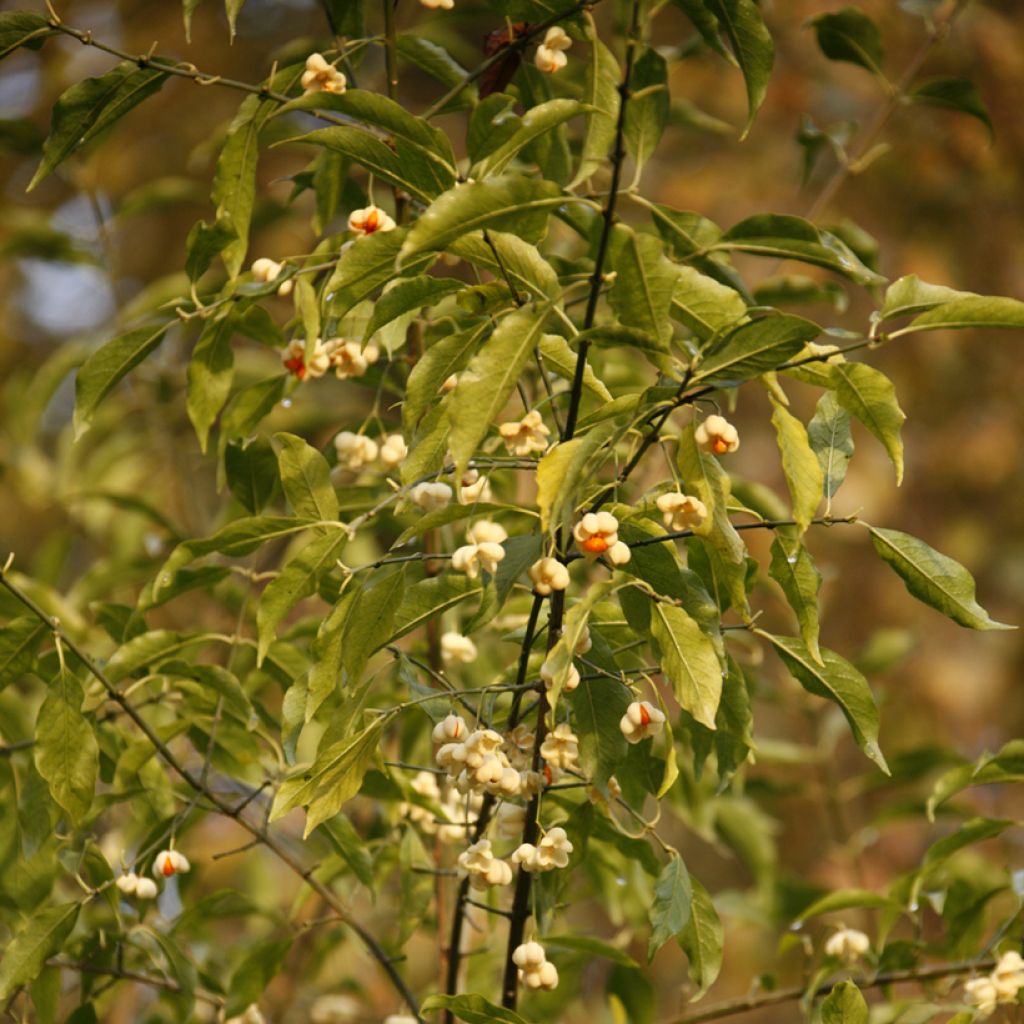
(467, 649)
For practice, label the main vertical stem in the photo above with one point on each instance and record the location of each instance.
(521, 898)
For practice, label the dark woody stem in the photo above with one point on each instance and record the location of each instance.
(201, 787)
(521, 899)
(462, 897)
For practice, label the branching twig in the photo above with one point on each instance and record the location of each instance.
(732, 1007)
(197, 785)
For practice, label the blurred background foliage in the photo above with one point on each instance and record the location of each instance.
(943, 200)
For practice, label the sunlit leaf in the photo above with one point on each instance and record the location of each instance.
(933, 578)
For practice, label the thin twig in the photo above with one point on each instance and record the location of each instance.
(258, 832)
(745, 1004)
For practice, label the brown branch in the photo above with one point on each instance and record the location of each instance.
(746, 1004)
(142, 979)
(258, 832)
(938, 32)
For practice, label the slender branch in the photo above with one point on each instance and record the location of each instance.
(258, 832)
(142, 979)
(761, 524)
(745, 1004)
(515, 46)
(191, 72)
(597, 277)
(462, 897)
(938, 32)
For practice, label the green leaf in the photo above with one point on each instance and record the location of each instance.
(251, 470)
(933, 578)
(66, 753)
(472, 1009)
(234, 181)
(702, 941)
(848, 899)
(437, 62)
(804, 476)
(91, 105)
(306, 478)
(686, 232)
(22, 28)
(670, 911)
(490, 378)
(366, 266)
(794, 570)
(559, 357)
(783, 237)
(959, 94)
(844, 1005)
(648, 109)
(591, 947)
(416, 141)
(654, 348)
(522, 262)
(910, 295)
(755, 348)
(705, 478)
(507, 202)
(972, 311)
(411, 172)
(148, 650)
(558, 475)
(601, 94)
(704, 305)
(645, 281)
(204, 243)
(689, 660)
(835, 679)
(598, 706)
(355, 628)
(210, 372)
(447, 356)
(298, 579)
(409, 296)
(850, 35)
(256, 971)
(742, 24)
(536, 121)
(706, 24)
(831, 441)
(19, 640)
(869, 395)
(42, 935)
(247, 407)
(332, 780)
(238, 538)
(430, 598)
(107, 365)
(232, 8)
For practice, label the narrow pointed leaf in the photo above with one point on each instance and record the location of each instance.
(306, 478)
(66, 752)
(490, 378)
(831, 441)
(803, 473)
(506, 202)
(933, 578)
(837, 680)
(794, 570)
(689, 660)
(108, 365)
(869, 395)
(89, 106)
(670, 912)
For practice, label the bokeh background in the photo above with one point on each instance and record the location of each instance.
(944, 200)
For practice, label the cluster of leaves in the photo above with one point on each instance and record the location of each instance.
(526, 265)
